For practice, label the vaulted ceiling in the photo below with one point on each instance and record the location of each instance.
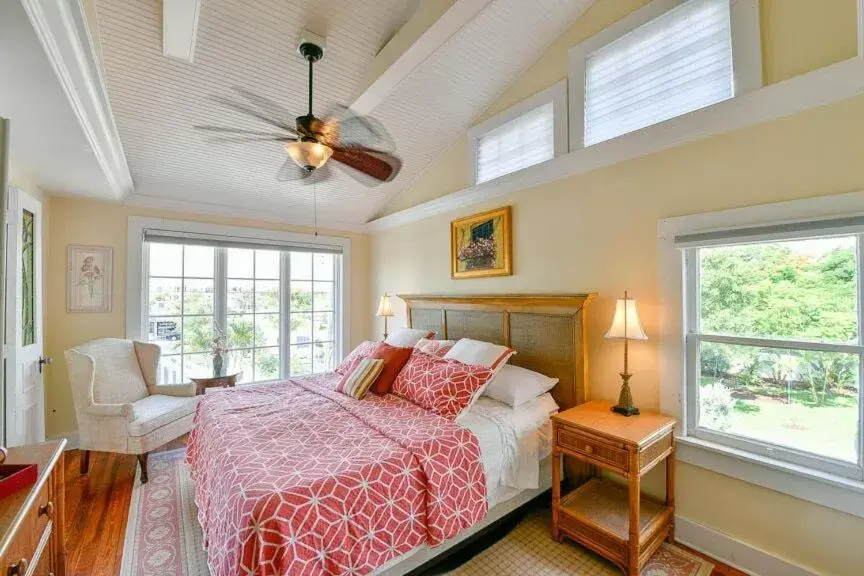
(157, 100)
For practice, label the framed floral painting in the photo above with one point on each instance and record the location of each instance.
(480, 245)
(89, 279)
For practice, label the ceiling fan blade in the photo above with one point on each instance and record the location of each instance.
(290, 172)
(346, 129)
(244, 109)
(238, 139)
(269, 107)
(380, 166)
(239, 131)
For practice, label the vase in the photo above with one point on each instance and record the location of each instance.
(217, 365)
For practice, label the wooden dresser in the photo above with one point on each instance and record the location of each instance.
(31, 520)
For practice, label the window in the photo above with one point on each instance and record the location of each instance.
(774, 344)
(663, 61)
(278, 303)
(531, 132)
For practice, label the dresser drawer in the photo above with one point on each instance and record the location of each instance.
(603, 452)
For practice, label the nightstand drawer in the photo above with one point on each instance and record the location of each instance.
(609, 454)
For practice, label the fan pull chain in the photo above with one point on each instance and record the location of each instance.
(315, 203)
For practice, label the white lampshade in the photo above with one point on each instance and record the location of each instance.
(384, 307)
(626, 315)
(308, 155)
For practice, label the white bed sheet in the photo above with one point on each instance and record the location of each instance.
(512, 442)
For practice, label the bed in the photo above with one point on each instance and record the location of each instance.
(295, 476)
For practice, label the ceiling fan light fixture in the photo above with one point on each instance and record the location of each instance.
(309, 154)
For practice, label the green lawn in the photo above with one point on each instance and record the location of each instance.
(828, 430)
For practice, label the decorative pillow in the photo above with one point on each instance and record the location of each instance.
(353, 359)
(480, 353)
(434, 347)
(517, 386)
(358, 382)
(394, 359)
(407, 337)
(445, 387)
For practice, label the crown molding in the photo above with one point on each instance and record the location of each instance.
(834, 83)
(62, 28)
(235, 212)
(453, 20)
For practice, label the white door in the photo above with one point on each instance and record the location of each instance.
(25, 390)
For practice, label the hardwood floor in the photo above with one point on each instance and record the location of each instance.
(97, 507)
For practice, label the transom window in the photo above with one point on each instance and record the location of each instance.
(667, 59)
(774, 347)
(278, 308)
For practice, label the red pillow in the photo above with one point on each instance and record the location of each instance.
(394, 359)
(441, 385)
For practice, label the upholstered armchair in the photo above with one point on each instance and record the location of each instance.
(120, 407)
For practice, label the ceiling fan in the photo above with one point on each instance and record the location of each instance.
(360, 144)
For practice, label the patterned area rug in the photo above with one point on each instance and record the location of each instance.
(163, 538)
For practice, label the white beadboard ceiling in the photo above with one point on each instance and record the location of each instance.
(156, 100)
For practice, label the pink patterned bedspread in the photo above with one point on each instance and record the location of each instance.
(295, 478)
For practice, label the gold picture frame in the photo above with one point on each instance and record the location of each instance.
(481, 245)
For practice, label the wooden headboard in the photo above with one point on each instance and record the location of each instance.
(546, 330)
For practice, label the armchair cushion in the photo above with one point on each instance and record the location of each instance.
(158, 410)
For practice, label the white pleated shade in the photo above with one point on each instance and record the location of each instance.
(385, 308)
(521, 142)
(677, 63)
(626, 323)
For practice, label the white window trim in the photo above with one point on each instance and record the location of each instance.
(556, 94)
(136, 274)
(746, 56)
(822, 488)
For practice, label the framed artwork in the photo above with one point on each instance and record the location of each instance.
(89, 279)
(481, 245)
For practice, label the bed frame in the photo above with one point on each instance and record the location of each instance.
(548, 333)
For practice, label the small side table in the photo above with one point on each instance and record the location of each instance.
(616, 522)
(224, 381)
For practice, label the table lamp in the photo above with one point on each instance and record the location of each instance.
(626, 326)
(385, 310)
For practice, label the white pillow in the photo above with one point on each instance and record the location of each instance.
(479, 353)
(407, 337)
(516, 386)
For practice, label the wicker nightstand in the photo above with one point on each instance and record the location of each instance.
(616, 522)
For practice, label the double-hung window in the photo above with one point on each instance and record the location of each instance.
(665, 60)
(277, 303)
(774, 342)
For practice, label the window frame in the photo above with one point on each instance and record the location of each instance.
(137, 277)
(693, 337)
(812, 485)
(555, 94)
(746, 58)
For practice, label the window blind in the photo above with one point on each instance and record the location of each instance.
(677, 63)
(521, 142)
(787, 230)
(200, 239)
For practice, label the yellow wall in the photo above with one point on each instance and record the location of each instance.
(79, 221)
(598, 232)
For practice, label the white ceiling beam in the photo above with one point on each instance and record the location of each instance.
(180, 28)
(453, 20)
(61, 26)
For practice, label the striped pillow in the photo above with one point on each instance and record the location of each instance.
(358, 382)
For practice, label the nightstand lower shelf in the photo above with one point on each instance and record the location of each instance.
(597, 516)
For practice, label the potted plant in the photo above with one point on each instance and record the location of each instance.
(220, 349)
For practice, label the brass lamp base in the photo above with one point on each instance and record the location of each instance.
(625, 404)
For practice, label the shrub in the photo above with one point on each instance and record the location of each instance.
(715, 406)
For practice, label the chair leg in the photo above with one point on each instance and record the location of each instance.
(85, 461)
(142, 461)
